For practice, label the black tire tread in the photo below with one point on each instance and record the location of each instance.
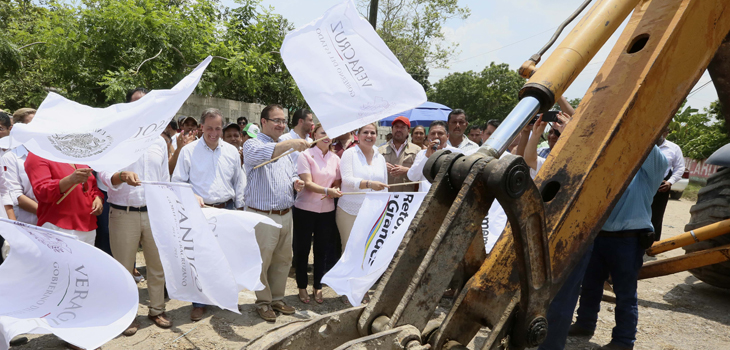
(713, 205)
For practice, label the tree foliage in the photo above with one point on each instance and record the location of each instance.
(412, 29)
(93, 52)
(698, 134)
(489, 94)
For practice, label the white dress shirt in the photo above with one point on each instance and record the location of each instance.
(17, 182)
(292, 135)
(4, 188)
(675, 159)
(215, 174)
(466, 145)
(415, 173)
(354, 168)
(152, 166)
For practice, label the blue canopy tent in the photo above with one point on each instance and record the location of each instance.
(421, 115)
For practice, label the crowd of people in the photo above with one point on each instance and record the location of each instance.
(301, 179)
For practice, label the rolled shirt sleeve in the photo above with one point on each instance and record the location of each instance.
(677, 166)
(256, 152)
(346, 169)
(11, 178)
(45, 188)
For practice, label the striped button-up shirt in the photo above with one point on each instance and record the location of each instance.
(270, 187)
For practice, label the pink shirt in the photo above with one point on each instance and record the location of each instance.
(324, 169)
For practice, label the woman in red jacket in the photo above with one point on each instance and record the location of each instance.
(76, 214)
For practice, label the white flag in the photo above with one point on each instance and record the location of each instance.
(53, 283)
(346, 73)
(104, 138)
(378, 230)
(196, 269)
(237, 238)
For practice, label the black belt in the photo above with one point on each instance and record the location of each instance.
(221, 205)
(140, 209)
(622, 234)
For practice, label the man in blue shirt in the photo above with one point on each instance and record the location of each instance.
(616, 252)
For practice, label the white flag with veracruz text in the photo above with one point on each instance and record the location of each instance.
(103, 138)
(380, 226)
(346, 73)
(53, 283)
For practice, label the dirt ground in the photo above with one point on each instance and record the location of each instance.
(675, 312)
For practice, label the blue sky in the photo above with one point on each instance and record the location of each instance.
(499, 31)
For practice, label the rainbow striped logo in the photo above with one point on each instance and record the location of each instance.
(373, 232)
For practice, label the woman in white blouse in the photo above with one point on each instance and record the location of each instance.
(363, 170)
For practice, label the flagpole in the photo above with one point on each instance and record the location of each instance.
(286, 154)
(66, 194)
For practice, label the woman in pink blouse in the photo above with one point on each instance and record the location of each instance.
(314, 213)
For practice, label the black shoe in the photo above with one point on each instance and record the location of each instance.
(614, 346)
(577, 331)
(19, 341)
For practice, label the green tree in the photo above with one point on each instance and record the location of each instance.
(95, 51)
(412, 29)
(698, 134)
(489, 94)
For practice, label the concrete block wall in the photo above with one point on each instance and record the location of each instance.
(231, 110)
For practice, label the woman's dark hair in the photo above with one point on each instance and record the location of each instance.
(416, 127)
(5, 120)
(131, 93)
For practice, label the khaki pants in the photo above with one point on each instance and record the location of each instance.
(344, 222)
(126, 231)
(276, 252)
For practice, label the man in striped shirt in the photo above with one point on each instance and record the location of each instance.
(270, 191)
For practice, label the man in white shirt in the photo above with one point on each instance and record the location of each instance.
(129, 224)
(458, 123)
(674, 173)
(303, 124)
(21, 194)
(213, 168)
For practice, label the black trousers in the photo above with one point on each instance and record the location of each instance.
(657, 212)
(321, 228)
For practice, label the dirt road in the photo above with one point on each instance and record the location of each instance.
(675, 312)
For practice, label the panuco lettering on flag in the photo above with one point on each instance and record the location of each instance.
(104, 138)
(346, 73)
(379, 228)
(196, 269)
(53, 283)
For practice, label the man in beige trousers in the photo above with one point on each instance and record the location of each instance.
(129, 224)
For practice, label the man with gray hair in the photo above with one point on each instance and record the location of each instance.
(213, 168)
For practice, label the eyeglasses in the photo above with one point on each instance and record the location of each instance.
(277, 121)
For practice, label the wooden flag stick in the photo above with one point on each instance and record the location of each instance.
(66, 194)
(285, 154)
(404, 184)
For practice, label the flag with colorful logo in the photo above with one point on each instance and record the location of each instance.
(378, 231)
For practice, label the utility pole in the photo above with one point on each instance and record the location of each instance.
(373, 13)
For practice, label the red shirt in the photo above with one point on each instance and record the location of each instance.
(74, 213)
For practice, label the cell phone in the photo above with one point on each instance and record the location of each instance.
(549, 116)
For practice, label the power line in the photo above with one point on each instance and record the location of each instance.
(698, 89)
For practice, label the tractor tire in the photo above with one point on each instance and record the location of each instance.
(713, 205)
